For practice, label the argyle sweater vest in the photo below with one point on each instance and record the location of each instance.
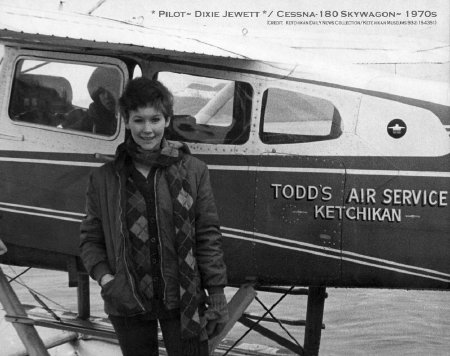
(143, 238)
(184, 228)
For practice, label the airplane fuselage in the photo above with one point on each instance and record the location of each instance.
(321, 176)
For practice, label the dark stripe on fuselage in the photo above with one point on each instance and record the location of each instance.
(48, 193)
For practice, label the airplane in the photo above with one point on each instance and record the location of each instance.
(325, 174)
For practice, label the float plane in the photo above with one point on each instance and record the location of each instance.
(325, 174)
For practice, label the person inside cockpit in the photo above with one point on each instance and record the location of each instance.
(100, 118)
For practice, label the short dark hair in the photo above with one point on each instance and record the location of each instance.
(142, 92)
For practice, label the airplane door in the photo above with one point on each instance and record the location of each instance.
(292, 198)
(234, 187)
(55, 130)
(298, 194)
(213, 115)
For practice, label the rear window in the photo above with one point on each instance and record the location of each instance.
(291, 117)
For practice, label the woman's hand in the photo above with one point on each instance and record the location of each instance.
(216, 314)
(105, 279)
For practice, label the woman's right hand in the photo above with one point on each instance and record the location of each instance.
(105, 279)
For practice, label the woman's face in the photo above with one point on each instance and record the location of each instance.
(107, 100)
(147, 126)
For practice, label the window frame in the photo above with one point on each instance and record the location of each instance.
(75, 59)
(273, 138)
(248, 108)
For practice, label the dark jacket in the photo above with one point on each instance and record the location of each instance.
(96, 119)
(104, 235)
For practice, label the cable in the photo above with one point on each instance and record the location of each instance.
(257, 322)
(45, 306)
(279, 323)
(21, 273)
(31, 290)
(96, 6)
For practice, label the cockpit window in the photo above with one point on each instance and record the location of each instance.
(66, 96)
(292, 117)
(208, 110)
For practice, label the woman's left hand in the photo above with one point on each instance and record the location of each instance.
(216, 314)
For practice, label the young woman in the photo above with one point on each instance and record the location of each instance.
(151, 235)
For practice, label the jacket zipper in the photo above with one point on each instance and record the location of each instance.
(124, 252)
(159, 235)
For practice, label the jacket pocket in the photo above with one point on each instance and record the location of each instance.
(119, 298)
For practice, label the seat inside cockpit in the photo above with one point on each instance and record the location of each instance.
(41, 99)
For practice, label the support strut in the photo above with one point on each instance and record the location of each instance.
(314, 317)
(27, 333)
(84, 303)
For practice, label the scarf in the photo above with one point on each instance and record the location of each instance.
(167, 154)
(169, 157)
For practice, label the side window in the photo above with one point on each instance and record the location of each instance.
(292, 117)
(66, 96)
(208, 110)
(137, 71)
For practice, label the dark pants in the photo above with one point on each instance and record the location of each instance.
(138, 336)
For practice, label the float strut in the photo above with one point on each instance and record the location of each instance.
(27, 333)
(84, 306)
(314, 317)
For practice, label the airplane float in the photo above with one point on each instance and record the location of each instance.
(325, 174)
